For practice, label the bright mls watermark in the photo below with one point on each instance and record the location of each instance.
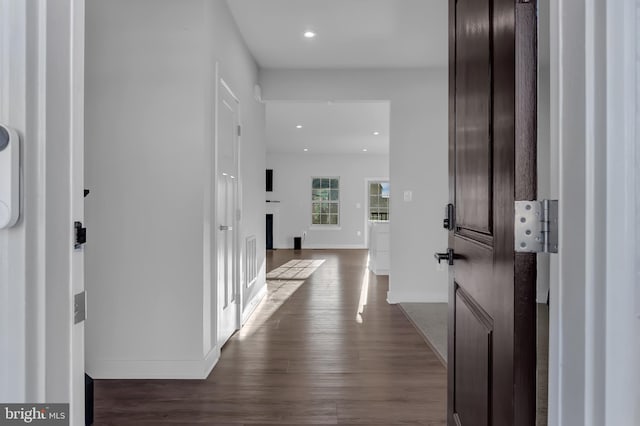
(36, 414)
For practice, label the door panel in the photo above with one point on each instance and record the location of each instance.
(473, 116)
(474, 333)
(492, 137)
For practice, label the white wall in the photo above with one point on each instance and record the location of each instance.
(292, 187)
(418, 145)
(621, 324)
(150, 97)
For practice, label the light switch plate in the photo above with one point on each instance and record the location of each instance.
(408, 196)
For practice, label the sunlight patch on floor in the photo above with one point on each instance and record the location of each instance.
(278, 292)
(364, 294)
(295, 269)
(282, 283)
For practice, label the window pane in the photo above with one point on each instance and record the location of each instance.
(374, 189)
(333, 208)
(316, 183)
(315, 219)
(334, 183)
(335, 195)
(324, 219)
(384, 202)
(373, 202)
(325, 183)
(320, 194)
(315, 208)
(385, 190)
(333, 219)
(325, 208)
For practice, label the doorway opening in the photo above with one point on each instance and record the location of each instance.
(321, 153)
(269, 229)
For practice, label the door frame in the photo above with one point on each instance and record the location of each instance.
(42, 96)
(595, 297)
(238, 288)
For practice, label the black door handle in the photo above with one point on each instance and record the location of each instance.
(448, 256)
(447, 223)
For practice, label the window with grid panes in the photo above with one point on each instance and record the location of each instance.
(379, 201)
(325, 201)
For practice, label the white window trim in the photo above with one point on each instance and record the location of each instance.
(326, 227)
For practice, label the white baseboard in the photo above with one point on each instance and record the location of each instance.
(153, 369)
(211, 360)
(394, 297)
(253, 304)
(327, 247)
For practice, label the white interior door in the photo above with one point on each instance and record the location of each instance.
(226, 201)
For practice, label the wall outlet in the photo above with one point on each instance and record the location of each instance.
(358, 233)
(408, 196)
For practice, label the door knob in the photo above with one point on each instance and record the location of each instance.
(226, 228)
(448, 256)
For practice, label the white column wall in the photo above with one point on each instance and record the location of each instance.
(150, 99)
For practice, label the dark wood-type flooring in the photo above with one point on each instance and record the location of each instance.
(307, 356)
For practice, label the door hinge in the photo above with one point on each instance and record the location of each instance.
(239, 130)
(80, 235)
(536, 226)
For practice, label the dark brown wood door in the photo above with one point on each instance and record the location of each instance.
(491, 359)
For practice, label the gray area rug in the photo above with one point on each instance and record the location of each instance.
(431, 321)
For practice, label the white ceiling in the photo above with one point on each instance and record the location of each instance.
(350, 33)
(328, 128)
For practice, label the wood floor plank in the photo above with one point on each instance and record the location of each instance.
(313, 353)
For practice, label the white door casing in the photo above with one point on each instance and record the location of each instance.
(77, 17)
(227, 135)
(41, 96)
(594, 332)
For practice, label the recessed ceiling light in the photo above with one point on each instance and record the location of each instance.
(364, 150)
(376, 133)
(306, 149)
(299, 126)
(309, 34)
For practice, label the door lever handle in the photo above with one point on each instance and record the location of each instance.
(448, 256)
(226, 228)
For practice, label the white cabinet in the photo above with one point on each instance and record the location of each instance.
(379, 248)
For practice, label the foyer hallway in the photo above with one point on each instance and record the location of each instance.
(328, 350)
